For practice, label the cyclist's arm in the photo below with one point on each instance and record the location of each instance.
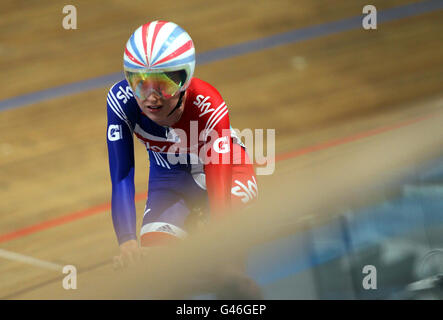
(219, 175)
(121, 165)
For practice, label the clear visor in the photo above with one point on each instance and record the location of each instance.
(165, 84)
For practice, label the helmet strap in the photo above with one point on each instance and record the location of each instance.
(178, 103)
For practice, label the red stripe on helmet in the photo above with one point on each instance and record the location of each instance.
(131, 57)
(188, 45)
(145, 40)
(158, 26)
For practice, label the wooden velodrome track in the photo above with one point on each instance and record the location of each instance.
(53, 153)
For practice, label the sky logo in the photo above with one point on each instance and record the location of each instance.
(124, 94)
(205, 107)
(247, 193)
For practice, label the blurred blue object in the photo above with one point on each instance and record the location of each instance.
(326, 261)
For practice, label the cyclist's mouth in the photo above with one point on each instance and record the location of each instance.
(154, 108)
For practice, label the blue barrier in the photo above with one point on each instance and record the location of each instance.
(419, 209)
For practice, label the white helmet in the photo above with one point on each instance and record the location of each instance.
(160, 47)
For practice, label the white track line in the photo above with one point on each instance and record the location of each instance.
(30, 260)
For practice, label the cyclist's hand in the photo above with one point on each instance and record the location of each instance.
(130, 253)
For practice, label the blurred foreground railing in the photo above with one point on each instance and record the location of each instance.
(356, 175)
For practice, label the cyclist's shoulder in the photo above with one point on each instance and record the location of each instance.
(201, 87)
(120, 99)
(206, 103)
(121, 92)
(203, 95)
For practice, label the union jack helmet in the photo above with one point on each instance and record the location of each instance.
(160, 46)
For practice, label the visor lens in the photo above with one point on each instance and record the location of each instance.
(165, 84)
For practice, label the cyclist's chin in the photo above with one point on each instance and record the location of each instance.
(156, 115)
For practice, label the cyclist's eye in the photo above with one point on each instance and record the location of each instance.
(177, 77)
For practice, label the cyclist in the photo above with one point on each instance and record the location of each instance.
(197, 163)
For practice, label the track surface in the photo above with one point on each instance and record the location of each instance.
(53, 153)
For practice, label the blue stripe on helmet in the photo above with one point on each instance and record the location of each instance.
(131, 65)
(134, 48)
(174, 35)
(176, 62)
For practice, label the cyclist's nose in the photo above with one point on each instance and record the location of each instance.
(153, 97)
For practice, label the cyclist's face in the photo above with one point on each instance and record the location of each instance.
(157, 108)
(157, 93)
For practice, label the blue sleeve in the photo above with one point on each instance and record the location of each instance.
(121, 166)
